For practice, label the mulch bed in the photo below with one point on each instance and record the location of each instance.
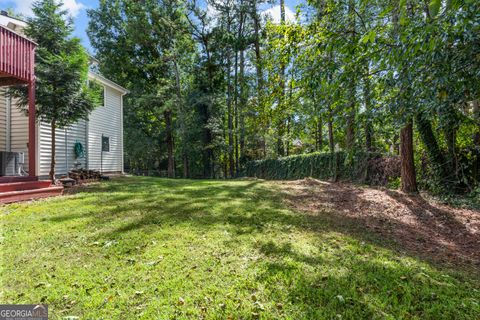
(417, 226)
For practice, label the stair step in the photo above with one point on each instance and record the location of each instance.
(28, 185)
(25, 195)
(11, 179)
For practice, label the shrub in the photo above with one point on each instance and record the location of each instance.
(362, 167)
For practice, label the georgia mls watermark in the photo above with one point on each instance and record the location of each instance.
(23, 312)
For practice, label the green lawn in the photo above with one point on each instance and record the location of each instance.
(147, 248)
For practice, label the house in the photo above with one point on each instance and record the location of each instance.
(25, 144)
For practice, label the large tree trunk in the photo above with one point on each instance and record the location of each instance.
(169, 140)
(53, 125)
(408, 176)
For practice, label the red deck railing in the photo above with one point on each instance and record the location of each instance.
(16, 56)
(17, 63)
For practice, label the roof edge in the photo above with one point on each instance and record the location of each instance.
(107, 82)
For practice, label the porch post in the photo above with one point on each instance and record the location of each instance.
(32, 155)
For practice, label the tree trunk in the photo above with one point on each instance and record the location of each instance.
(259, 72)
(182, 117)
(319, 133)
(476, 117)
(351, 112)
(243, 102)
(235, 114)
(186, 168)
(238, 86)
(408, 176)
(287, 142)
(231, 161)
(169, 140)
(368, 112)
(52, 154)
(281, 101)
(331, 143)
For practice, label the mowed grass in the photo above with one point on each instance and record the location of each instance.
(149, 248)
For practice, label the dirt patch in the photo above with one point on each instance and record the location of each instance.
(418, 226)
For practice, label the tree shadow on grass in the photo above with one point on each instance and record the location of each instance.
(406, 224)
(353, 283)
(349, 286)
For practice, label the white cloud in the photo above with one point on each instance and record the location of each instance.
(274, 14)
(25, 6)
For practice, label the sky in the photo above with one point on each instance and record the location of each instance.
(78, 10)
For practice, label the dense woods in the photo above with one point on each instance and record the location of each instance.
(216, 85)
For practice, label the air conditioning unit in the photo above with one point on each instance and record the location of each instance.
(8, 163)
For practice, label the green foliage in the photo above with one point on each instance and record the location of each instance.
(338, 165)
(152, 64)
(98, 92)
(345, 75)
(61, 69)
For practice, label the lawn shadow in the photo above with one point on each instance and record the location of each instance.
(407, 224)
(346, 283)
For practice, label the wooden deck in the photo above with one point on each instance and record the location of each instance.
(26, 188)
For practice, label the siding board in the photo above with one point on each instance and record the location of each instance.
(19, 132)
(107, 121)
(3, 121)
(64, 149)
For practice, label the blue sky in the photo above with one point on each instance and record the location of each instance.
(78, 10)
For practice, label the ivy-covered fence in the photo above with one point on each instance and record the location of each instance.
(363, 167)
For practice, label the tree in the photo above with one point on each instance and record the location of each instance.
(149, 63)
(392, 77)
(62, 95)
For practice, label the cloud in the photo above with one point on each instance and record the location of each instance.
(274, 14)
(25, 6)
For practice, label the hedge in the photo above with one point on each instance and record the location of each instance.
(336, 166)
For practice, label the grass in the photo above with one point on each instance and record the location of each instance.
(148, 248)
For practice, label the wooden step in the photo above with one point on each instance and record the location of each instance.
(10, 179)
(28, 185)
(25, 195)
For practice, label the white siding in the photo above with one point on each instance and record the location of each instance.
(64, 147)
(3, 121)
(19, 132)
(106, 121)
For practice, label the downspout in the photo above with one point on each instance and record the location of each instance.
(66, 150)
(101, 156)
(87, 153)
(8, 138)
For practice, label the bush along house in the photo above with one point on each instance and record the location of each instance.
(95, 143)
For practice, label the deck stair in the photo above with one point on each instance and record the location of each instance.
(28, 190)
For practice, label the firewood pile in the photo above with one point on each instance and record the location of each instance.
(83, 176)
